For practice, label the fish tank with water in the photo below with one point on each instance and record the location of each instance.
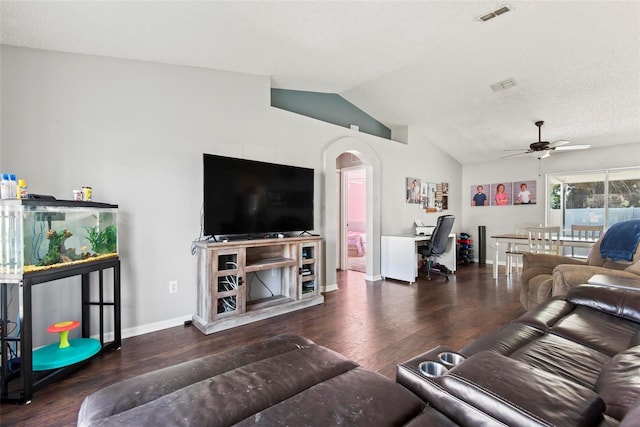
(38, 235)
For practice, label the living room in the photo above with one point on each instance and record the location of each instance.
(135, 130)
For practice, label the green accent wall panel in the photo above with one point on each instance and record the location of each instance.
(328, 107)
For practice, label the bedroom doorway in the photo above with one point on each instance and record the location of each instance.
(354, 214)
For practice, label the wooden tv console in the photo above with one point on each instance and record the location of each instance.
(240, 282)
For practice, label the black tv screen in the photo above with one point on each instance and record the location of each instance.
(251, 197)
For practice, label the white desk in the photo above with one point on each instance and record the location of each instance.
(399, 255)
(511, 240)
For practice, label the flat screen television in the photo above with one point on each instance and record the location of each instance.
(247, 197)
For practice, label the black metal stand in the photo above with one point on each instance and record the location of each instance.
(19, 387)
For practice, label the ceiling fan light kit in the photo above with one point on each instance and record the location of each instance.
(542, 149)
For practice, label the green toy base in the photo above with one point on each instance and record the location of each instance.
(53, 357)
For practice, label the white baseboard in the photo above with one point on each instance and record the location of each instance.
(331, 288)
(149, 327)
(153, 327)
(375, 278)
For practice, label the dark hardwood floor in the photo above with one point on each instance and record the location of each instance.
(377, 324)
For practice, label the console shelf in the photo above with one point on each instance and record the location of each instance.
(245, 281)
(268, 302)
(268, 264)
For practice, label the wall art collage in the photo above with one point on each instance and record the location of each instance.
(430, 196)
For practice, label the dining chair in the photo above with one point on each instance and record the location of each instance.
(586, 232)
(544, 240)
(513, 254)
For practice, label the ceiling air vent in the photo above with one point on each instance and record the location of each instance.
(505, 84)
(493, 14)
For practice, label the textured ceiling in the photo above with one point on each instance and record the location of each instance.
(426, 64)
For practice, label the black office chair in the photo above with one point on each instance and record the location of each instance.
(438, 245)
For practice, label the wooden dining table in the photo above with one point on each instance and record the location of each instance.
(511, 241)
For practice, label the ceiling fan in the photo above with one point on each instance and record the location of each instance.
(542, 149)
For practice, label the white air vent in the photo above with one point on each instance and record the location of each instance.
(505, 84)
(493, 14)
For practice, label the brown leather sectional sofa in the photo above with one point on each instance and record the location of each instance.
(568, 362)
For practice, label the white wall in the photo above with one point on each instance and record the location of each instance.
(136, 132)
(433, 165)
(503, 219)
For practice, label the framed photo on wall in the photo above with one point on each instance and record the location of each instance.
(479, 195)
(413, 190)
(501, 194)
(524, 193)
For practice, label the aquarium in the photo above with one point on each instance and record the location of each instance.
(37, 235)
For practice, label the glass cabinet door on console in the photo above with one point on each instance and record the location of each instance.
(225, 268)
(230, 293)
(308, 271)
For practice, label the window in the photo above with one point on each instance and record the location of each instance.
(593, 198)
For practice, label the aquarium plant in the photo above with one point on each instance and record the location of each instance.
(102, 241)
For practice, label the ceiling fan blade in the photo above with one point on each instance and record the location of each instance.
(558, 143)
(573, 147)
(513, 155)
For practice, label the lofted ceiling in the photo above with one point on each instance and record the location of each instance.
(428, 65)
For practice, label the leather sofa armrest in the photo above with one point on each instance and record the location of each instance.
(504, 389)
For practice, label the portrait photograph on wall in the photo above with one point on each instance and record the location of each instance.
(480, 195)
(413, 190)
(501, 194)
(524, 192)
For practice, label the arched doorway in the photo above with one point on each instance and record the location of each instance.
(371, 163)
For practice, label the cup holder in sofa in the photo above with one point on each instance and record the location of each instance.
(450, 358)
(432, 369)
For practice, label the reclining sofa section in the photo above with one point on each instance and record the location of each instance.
(573, 362)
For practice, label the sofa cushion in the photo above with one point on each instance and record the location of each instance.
(562, 357)
(543, 316)
(619, 382)
(355, 398)
(505, 340)
(595, 329)
(517, 394)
